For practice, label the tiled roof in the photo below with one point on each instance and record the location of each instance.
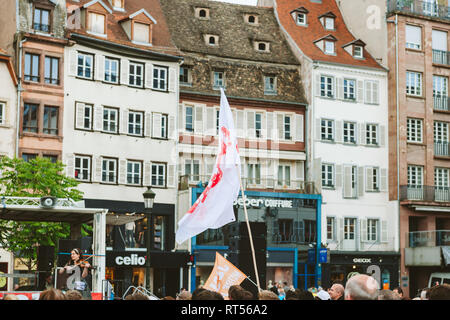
(162, 42)
(306, 36)
(236, 36)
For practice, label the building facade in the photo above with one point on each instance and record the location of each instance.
(347, 139)
(240, 48)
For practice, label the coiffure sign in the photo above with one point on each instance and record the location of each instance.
(125, 259)
(268, 203)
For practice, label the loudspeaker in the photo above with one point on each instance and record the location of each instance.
(65, 246)
(45, 258)
(48, 202)
(244, 261)
(86, 245)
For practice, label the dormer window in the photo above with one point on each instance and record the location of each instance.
(262, 46)
(251, 19)
(94, 13)
(118, 4)
(301, 19)
(355, 49)
(141, 32)
(329, 23)
(300, 16)
(358, 52)
(327, 20)
(327, 44)
(138, 27)
(211, 40)
(202, 13)
(329, 47)
(97, 23)
(41, 20)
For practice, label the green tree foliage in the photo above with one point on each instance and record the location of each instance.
(36, 178)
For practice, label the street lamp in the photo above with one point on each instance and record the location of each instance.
(149, 199)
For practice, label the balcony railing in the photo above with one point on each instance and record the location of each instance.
(442, 149)
(425, 193)
(428, 238)
(441, 57)
(424, 8)
(441, 102)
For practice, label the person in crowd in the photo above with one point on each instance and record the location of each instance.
(52, 294)
(168, 298)
(336, 291)
(234, 292)
(274, 289)
(137, 296)
(322, 295)
(196, 292)
(304, 294)
(440, 292)
(267, 295)
(386, 294)
(425, 294)
(361, 287)
(281, 294)
(184, 295)
(291, 295)
(77, 269)
(73, 295)
(208, 295)
(398, 291)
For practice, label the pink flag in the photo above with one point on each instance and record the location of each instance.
(214, 208)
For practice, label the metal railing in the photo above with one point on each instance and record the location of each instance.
(423, 8)
(440, 102)
(425, 193)
(442, 149)
(428, 238)
(441, 57)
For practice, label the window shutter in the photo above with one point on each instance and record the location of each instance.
(368, 91)
(347, 182)
(360, 181)
(369, 179)
(317, 85)
(269, 120)
(360, 88)
(383, 180)
(340, 222)
(198, 119)
(79, 115)
(98, 117)
(210, 124)
(100, 67)
(156, 124)
(172, 134)
(251, 124)
(299, 127)
(362, 133)
(299, 174)
(70, 165)
(338, 176)
(124, 71)
(376, 92)
(73, 63)
(171, 181)
(318, 129)
(340, 88)
(97, 176)
(172, 80)
(181, 127)
(264, 125)
(317, 173)
(147, 173)
(149, 75)
(338, 131)
(382, 135)
(384, 231)
(363, 227)
(122, 171)
(280, 126)
(147, 124)
(123, 127)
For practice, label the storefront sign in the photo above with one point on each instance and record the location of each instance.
(362, 260)
(125, 259)
(268, 203)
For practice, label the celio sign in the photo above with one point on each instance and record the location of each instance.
(133, 260)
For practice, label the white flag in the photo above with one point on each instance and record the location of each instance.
(214, 208)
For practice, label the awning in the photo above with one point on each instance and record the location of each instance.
(446, 255)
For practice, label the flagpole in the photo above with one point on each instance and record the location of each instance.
(249, 231)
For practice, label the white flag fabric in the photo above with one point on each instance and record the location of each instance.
(214, 208)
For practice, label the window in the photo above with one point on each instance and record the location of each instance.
(41, 20)
(441, 178)
(160, 78)
(2, 113)
(158, 174)
(287, 127)
(372, 179)
(415, 176)
(30, 117)
(254, 174)
(87, 116)
(219, 79)
(141, 32)
(440, 47)
(413, 37)
(329, 47)
(50, 120)
(135, 123)
(350, 182)
(136, 74)
(84, 66)
(117, 4)
(284, 175)
(331, 228)
(53, 159)
(252, 19)
(414, 130)
(134, 172)
(358, 52)
(83, 168)
(413, 83)
(327, 86)
(262, 46)
(51, 70)
(301, 19)
(185, 73)
(372, 95)
(440, 87)
(31, 72)
(349, 89)
(329, 23)
(110, 120)
(440, 132)
(326, 129)
(258, 125)
(111, 70)
(27, 157)
(327, 175)
(189, 119)
(192, 169)
(349, 228)
(372, 134)
(202, 13)
(349, 132)
(270, 85)
(109, 170)
(159, 125)
(372, 230)
(96, 23)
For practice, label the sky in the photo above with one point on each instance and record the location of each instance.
(246, 2)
